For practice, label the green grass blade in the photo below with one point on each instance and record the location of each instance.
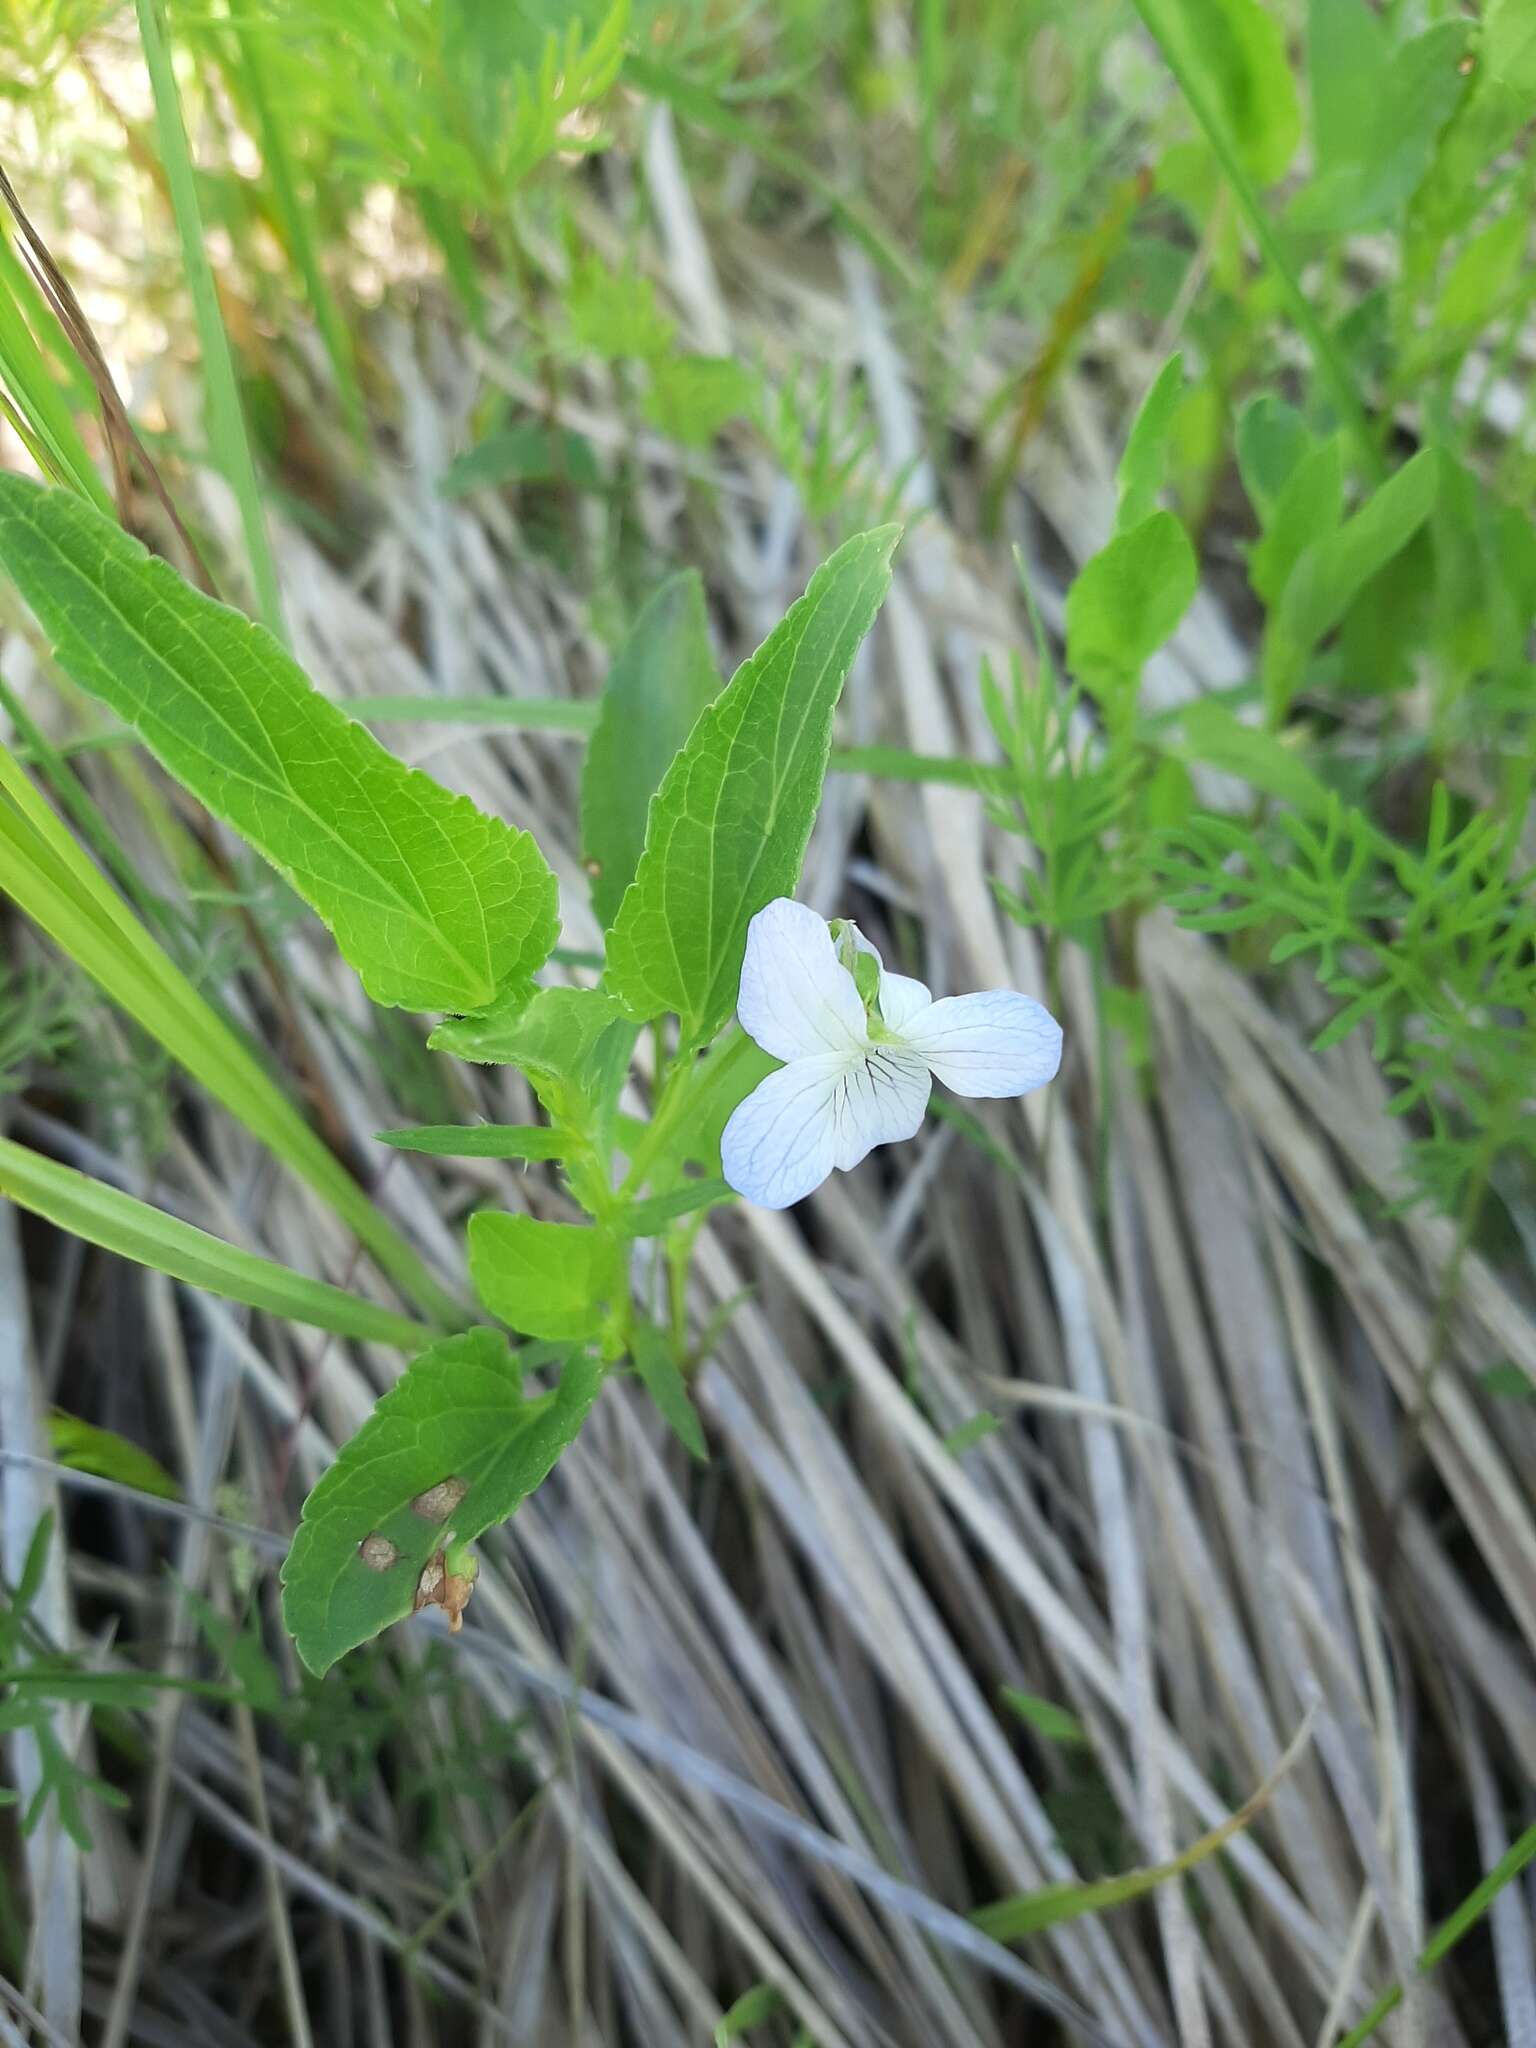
(118, 1223)
(42, 411)
(227, 434)
(1450, 1931)
(51, 880)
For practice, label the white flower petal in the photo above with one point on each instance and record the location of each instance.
(782, 1141)
(796, 999)
(996, 1043)
(879, 1101)
(901, 998)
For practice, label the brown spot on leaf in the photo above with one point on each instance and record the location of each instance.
(439, 1502)
(439, 1587)
(377, 1552)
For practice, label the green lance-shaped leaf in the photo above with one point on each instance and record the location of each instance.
(559, 1281)
(449, 1452)
(1330, 574)
(728, 828)
(436, 905)
(662, 679)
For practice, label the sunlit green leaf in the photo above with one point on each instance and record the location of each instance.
(455, 1433)
(1127, 600)
(436, 905)
(1236, 50)
(554, 1280)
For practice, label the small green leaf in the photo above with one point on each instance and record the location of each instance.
(729, 826)
(1127, 600)
(1484, 274)
(662, 679)
(1213, 735)
(754, 2006)
(650, 1218)
(1331, 573)
(1045, 1717)
(456, 1419)
(574, 1045)
(436, 905)
(1145, 461)
(525, 454)
(974, 1431)
(478, 1141)
(1304, 512)
(1507, 1381)
(83, 1447)
(1508, 47)
(1383, 145)
(659, 1374)
(1235, 50)
(1272, 440)
(554, 1280)
(692, 397)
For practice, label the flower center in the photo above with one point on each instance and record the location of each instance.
(864, 966)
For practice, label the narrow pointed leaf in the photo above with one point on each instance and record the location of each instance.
(729, 825)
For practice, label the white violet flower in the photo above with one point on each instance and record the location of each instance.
(861, 1049)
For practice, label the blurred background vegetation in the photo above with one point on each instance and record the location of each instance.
(1061, 1466)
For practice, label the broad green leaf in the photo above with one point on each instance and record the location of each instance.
(614, 315)
(1045, 1717)
(574, 1045)
(1145, 461)
(1236, 50)
(434, 904)
(478, 1141)
(692, 397)
(525, 454)
(659, 1374)
(118, 1223)
(1508, 48)
(1332, 572)
(1126, 601)
(456, 1420)
(662, 679)
(1386, 143)
(560, 1281)
(1307, 510)
(729, 825)
(84, 1447)
(1272, 441)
